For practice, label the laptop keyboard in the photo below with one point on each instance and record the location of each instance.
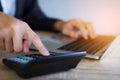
(92, 46)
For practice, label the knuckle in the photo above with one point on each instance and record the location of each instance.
(13, 29)
(19, 24)
(24, 23)
(89, 23)
(26, 27)
(76, 20)
(18, 27)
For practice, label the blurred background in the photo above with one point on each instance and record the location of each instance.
(104, 14)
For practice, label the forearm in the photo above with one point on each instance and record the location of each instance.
(58, 25)
(42, 23)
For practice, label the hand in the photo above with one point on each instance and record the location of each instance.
(16, 35)
(75, 27)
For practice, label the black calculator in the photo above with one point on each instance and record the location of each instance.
(31, 65)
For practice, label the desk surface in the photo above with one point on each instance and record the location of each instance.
(105, 69)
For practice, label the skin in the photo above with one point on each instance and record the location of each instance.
(17, 36)
(76, 28)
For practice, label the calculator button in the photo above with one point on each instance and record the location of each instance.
(19, 60)
(25, 58)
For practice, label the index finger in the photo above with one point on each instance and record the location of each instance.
(90, 29)
(37, 42)
(79, 25)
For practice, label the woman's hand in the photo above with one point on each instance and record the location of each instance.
(16, 35)
(75, 27)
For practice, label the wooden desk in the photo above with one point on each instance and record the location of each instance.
(105, 69)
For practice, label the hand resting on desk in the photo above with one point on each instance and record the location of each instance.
(75, 27)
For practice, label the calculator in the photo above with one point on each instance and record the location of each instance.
(31, 65)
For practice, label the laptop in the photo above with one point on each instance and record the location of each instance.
(95, 48)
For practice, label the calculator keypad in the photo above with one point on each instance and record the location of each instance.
(21, 59)
(24, 59)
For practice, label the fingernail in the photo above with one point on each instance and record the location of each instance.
(46, 53)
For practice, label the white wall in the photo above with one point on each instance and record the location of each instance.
(105, 14)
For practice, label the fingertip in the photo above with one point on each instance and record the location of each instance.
(42, 49)
(45, 53)
(26, 49)
(93, 36)
(85, 37)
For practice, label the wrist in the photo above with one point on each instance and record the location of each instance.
(58, 25)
